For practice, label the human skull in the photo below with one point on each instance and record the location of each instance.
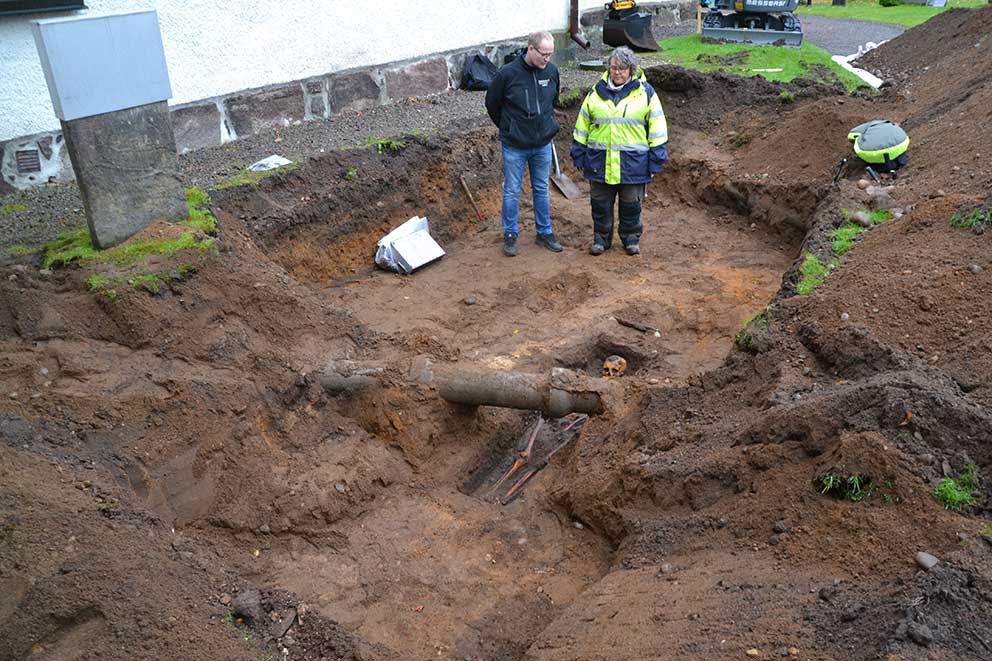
(614, 366)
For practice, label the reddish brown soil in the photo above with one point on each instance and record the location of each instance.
(174, 483)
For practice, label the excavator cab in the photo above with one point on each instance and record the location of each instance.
(624, 25)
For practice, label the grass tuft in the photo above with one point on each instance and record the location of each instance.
(386, 144)
(972, 219)
(847, 487)
(955, 494)
(757, 322)
(812, 273)
(12, 208)
(842, 238)
(200, 217)
(251, 178)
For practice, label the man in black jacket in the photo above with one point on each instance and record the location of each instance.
(521, 101)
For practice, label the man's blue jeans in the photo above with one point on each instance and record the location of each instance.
(514, 161)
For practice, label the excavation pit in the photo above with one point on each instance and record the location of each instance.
(183, 486)
(441, 560)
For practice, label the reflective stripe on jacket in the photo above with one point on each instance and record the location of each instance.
(621, 136)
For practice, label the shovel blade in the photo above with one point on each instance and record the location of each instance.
(566, 186)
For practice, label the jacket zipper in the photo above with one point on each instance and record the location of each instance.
(537, 93)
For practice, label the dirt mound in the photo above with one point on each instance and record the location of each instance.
(696, 100)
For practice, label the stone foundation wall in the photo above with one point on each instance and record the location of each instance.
(213, 121)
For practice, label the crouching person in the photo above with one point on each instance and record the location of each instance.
(619, 144)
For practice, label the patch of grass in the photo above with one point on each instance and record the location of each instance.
(251, 178)
(75, 245)
(18, 250)
(787, 97)
(972, 219)
(110, 287)
(12, 208)
(907, 15)
(102, 286)
(198, 203)
(808, 61)
(842, 238)
(386, 144)
(955, 494)
(812, 272)
(351, 173)
(847, 487)
(986, 532)
(68, 247)
(572, 98)
(757, 322)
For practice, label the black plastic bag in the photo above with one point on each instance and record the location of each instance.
(478, 74)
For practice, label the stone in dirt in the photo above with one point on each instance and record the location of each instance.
(926, 561)
(862, 218)
(248, 606)
(920, 634)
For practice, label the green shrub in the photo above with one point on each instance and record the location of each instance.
(890, 3)
(787, 97)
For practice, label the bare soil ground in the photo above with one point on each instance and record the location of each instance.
(174, 482)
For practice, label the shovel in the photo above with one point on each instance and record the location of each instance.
(565, 185)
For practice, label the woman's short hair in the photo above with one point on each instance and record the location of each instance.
(625, 57)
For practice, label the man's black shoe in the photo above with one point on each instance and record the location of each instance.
(597, 249)
(510, 244)
(548, 241)
(633, 249)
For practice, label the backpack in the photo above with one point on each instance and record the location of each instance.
(478, 73)
(881, 144)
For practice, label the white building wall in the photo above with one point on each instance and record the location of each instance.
(218, 47)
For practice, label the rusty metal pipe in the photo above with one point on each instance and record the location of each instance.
(515, 390)
(573, 25)
(555, 394)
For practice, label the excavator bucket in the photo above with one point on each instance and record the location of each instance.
(633, 30)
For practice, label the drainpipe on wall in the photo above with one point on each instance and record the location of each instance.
(573, 24)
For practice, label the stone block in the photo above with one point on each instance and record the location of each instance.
(420, 79)
(315, 92)
(45, 150)
(196, 126)
(127, 171)
(255, 111)
(353, 91)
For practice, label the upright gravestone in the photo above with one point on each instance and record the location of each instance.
(109, 87)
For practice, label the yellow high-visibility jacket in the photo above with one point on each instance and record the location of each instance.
(621, 136)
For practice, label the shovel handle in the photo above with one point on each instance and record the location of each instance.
(554, 153)
(478, 214)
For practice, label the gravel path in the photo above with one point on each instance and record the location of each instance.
(842, 36)
(34, 216)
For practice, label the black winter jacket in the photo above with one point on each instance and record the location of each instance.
(521, 101)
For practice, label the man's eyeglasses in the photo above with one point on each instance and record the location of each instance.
(546, 56)
(618, 69)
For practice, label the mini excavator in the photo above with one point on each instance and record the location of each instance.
(766, 22)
